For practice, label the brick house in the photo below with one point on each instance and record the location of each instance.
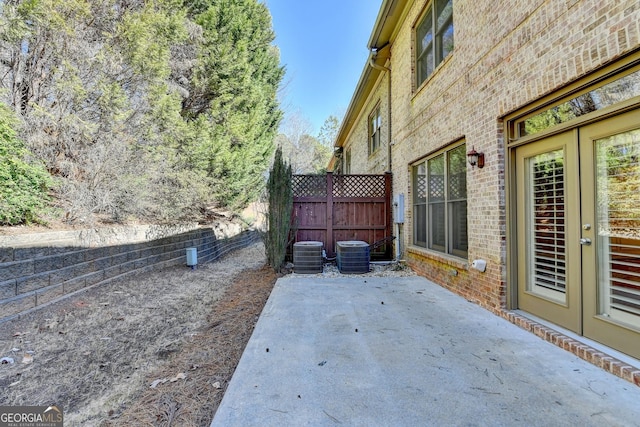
(547, 92)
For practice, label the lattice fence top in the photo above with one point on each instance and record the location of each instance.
(358, 186)
(309, 185)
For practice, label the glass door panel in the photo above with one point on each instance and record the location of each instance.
(618, 226)
(548, 220)
(546, 249)
(610, 154)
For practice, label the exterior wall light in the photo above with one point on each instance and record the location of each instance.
(475, 158)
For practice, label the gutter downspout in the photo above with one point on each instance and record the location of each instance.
(372, 63)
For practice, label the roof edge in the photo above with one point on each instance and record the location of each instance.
(388, 18)
(384, 28)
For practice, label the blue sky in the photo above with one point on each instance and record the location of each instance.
(323, 45)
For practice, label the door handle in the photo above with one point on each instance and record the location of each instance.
(585, 241)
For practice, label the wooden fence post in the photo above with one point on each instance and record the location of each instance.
(388, 195)
(330, 242)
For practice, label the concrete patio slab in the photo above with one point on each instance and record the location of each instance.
(402, 351)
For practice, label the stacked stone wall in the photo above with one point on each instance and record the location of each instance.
(31, 277)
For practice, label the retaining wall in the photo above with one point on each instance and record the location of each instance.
(33, 276)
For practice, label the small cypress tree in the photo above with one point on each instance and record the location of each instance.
(280, 197)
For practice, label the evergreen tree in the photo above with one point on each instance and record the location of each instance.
(233, 93)
(155, 109)
(280, 197)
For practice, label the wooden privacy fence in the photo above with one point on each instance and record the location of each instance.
(331, 208)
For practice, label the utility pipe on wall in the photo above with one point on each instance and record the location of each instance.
(372, 62)
(373, 52)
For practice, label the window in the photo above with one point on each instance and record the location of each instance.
(374, 130)
(434, 38)
(440, 202)
(620, 89)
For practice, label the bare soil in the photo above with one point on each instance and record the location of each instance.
(155, 349)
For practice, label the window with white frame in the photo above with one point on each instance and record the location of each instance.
(375, 123)
(434, 38)
(440, 201)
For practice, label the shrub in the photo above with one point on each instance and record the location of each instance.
(24, 183)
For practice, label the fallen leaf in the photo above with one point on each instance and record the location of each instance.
(15, 349)
(217, 384)
(27, 359)
(16, 383)
(17, 334)
(155, 383)
(180, 376)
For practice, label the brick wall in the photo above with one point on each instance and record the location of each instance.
(377, 162)
(508, 53)
(31, 277)
(508, 56)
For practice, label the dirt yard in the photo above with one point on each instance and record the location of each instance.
(153, 349)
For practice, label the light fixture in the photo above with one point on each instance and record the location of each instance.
(475, 158)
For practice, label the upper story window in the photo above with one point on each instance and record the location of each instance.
(440, 201)
(375, 123)
(434, 38)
